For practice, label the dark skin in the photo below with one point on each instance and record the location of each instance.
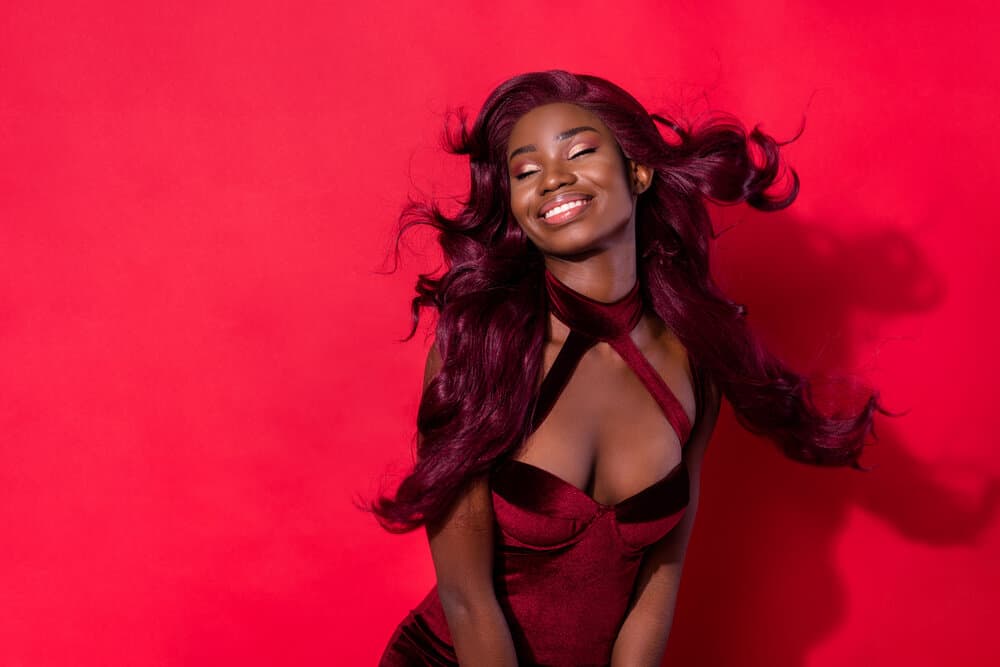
(605, 435)
(595, 252)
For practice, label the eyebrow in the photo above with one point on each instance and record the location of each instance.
(562, 136)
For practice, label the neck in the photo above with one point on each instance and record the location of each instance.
(603, 278)
(602, 320)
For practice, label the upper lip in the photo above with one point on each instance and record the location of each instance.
(561, 199)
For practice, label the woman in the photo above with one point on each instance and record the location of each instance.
(581, 354)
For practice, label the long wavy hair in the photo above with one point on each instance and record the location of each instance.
(491, 327)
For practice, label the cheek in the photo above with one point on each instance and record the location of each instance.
(610, 174)
(519, 205)
(618, 186)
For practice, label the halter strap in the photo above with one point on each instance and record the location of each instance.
(590, 321)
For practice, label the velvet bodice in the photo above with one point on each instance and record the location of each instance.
(565, 565)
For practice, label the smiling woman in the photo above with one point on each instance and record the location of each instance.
(581, 355)
(562, 175)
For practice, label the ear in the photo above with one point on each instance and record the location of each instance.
(640, 177)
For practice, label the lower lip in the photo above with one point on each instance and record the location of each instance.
(567, 216)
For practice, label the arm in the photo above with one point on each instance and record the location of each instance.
(642, 638)
(462, 550)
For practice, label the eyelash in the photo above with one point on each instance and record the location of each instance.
(525, 174)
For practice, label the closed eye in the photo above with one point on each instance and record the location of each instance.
(524, 174)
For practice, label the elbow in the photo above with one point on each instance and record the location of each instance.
(452, 600)
(458, 601)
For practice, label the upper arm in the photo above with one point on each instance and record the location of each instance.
(461, 542)
(705, 427)
(462, 549)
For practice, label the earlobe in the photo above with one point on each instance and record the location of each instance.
(641, 177)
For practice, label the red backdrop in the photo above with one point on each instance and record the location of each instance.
(198, 360)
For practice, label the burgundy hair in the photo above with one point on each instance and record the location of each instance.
(490, 330)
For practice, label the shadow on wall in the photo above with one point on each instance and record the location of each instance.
(761, 586)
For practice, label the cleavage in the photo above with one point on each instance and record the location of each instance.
(606, 435)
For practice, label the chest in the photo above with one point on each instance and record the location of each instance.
(606, 434)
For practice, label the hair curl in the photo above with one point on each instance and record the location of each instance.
(490, 330)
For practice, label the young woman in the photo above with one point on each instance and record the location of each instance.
(581, 354)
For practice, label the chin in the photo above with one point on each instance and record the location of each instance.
(571, 244)
(588, 234)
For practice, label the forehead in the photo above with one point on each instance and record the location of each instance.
(544, 122)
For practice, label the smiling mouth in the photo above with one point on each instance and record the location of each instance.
(566, 212)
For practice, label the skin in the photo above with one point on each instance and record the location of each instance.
(595, 254)
(617, 433)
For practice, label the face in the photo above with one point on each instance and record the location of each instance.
(571, 189)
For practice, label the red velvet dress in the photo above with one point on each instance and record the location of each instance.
(565, 565)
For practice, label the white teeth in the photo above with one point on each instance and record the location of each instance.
(564, 207)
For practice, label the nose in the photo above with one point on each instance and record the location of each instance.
(556, 176)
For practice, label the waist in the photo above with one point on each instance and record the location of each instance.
(554, 617)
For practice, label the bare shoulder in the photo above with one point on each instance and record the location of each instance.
(433, 363)
(666, 343)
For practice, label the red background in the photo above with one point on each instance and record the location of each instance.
(198, 358)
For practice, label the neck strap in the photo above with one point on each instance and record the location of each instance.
(597, 319)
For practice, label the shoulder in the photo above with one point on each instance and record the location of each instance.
(433, 363)
(663, 341)
(659, 343)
